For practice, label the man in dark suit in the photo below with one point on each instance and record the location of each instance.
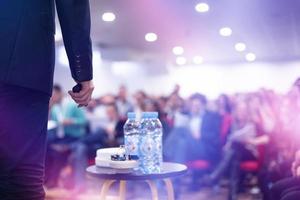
(197, 137)
(26, 75)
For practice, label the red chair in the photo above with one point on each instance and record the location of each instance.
(199, 165)
(91, 162)
(198, 168)
(251, 165)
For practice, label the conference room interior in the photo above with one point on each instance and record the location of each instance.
(235, 61)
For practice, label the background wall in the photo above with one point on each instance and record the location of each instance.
(208, 79)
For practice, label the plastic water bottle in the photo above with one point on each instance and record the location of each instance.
(131, 134)
(150, 148)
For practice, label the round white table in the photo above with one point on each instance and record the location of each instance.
(109, 175)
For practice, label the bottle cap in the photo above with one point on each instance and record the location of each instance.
(131, 115)
(155, 114)
(150, 115)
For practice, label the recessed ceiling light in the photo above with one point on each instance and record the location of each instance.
(250, 57)
(198, 60)
(202, 7)
(178, 50)
(240, 46)
(181, 60)
(108, 17)
(225, 31)
(151, 37)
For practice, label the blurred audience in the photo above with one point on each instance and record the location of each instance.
(123, 103)
(240, 146)
(197, 136)
(70, 119)
(224, 108)
(71, 125)
(110, 134)
(259, 126)
(289, 188)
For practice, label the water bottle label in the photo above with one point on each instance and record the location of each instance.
(147, 147)
(131, 148)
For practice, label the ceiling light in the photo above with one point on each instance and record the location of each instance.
(250, 57)
(202, 7)
(181, 60)
(108, 17)
(178, 50)
(198, 60)
(150, 37)
(240, 46)
(225, 31)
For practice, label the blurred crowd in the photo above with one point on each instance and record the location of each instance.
(260, 126)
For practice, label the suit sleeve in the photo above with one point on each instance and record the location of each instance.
(74, 18)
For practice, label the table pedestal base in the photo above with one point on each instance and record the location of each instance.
(122, 189)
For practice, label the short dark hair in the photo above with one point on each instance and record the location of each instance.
(57, 88)
(200, 97)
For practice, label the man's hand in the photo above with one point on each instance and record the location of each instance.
(84, 96)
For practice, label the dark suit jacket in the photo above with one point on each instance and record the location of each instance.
(27, 29)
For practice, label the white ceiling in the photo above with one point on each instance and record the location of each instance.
(270, 29)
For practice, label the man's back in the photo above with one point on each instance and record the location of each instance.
(26, 75)
(27, 41)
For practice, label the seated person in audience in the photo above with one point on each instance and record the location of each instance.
(111, 132)
(71, 120)
(139, 99)
(123, 103)
(72, 123)
(275, 159)
(224, 109)
(110, 135)
(240, 146)
(153, 106)
(289, 188)
(174, 109)
(96, 115)
(195, 135)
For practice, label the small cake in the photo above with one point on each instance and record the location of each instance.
(103, 158)
(115, 158)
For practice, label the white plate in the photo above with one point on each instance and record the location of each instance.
(127, 164)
